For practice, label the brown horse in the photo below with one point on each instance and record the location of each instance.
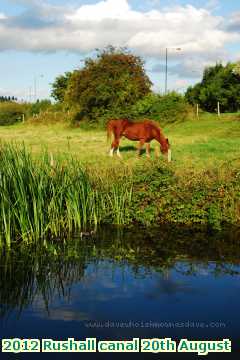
(144, 132)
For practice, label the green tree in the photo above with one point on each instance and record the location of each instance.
(236, 68)
(59, 86)
(108, 84)
(219, 83)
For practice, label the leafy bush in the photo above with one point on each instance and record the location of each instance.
(11, 112)
(163, 108)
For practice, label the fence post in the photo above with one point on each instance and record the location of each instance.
(197, 111)
(218, 108)
(23, 118)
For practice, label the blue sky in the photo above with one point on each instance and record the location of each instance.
(42, 39)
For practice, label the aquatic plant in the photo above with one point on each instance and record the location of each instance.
(50, 197)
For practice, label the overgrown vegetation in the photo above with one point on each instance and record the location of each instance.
(161, 196)
(51, 198)
(41, 111)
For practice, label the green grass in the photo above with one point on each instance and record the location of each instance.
(206, 143)
(198, 144)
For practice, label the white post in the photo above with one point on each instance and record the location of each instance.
(197, 111)
(218, 108)
(23, 118)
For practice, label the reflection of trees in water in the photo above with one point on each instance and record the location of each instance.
(50, 271)
(28, 273)
(163, 249)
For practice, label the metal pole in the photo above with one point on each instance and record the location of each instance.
(30, 94)
(166, 71)
(35, 89)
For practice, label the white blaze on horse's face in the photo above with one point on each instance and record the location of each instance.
(169, 155)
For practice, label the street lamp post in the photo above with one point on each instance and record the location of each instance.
(166, 70)
(166, 67)
(35, 86)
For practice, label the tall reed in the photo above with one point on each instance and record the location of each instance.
(40, 198)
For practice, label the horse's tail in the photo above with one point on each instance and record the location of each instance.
(109, 130)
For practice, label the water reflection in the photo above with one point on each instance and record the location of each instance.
(114, 266)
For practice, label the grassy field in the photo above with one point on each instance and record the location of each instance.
(197, 145)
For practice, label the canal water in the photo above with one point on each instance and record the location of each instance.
(123, 284)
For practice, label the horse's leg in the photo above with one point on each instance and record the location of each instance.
(140, 145)
(115, 146)
(148, 150)
(112, 148)
(117, 142)
(111, 152)
(118, 153)
(157, 151)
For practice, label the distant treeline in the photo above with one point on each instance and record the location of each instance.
(7, 98)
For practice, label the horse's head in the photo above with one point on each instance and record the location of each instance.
(166, 150)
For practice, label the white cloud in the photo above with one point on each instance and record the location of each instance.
(43, 27)
(107, 9)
